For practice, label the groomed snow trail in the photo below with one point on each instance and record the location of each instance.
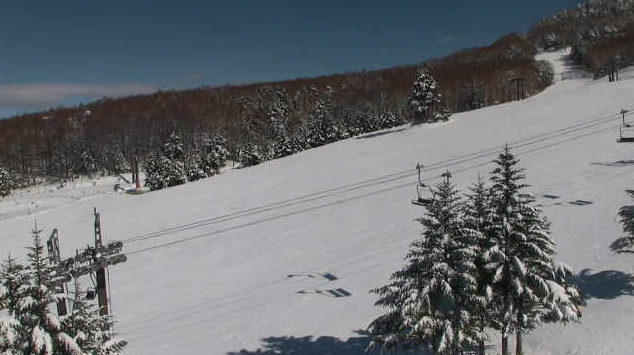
(279, 258)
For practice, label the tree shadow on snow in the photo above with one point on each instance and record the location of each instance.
(605, 285)
(618, 163)
(308, 345)
(378, 134)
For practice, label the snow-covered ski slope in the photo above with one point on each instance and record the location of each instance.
(279, 258)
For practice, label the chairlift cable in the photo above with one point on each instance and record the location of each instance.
(371, 182)
(337, 202)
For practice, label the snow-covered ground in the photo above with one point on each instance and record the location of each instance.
(564, 68)
(46, 196)
(279, 258)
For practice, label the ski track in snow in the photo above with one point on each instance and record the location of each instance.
(279, 258)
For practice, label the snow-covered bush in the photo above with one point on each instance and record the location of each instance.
(443, 116)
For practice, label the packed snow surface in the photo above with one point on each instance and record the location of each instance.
(279, 258)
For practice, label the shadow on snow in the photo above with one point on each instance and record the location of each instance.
(605, 285)
(308, 345)
(378, 134)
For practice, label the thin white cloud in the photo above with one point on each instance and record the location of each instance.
(42, 96)
(194, 76)
(446, 39)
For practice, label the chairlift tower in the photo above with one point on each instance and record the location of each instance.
(87, 261)
(626, 131)
(60, 276)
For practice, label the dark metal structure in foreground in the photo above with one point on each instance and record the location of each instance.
(89, 261)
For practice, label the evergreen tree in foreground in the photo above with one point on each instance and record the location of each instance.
(91, 330)
(27, 295)
(12, 291)
(31, 327)
(478, 216)
(429, 300)
(525, 278)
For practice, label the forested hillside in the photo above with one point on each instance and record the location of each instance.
(600, 33)
(106, 135)
(264, 121)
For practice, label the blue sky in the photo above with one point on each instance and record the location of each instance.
(65, 52)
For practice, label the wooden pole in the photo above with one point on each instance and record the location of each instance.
(52, 246)
(102, 291)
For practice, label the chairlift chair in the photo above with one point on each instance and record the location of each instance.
(422, 201)
(626, 133)
(90, 293)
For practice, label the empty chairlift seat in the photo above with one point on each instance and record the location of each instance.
(626, 133)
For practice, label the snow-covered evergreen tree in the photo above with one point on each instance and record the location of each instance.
(425, 96)
(320, 124)
(250, 155)
(298, 140)
(552, 42)
(169, 169)
(172, 172)
(626, 215)
(193, 167)
(27, 295)
(478, 216)
(6, 182)
(282, 146)
(173, 148)
(388, 116)
(89, 329)
(12, 285)
(32, 328)
(214, 155)
(153, 172)
(429, 300)
(87, 163)
(389, 119)
(12, 291)
(522, 255)
(116, 162)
